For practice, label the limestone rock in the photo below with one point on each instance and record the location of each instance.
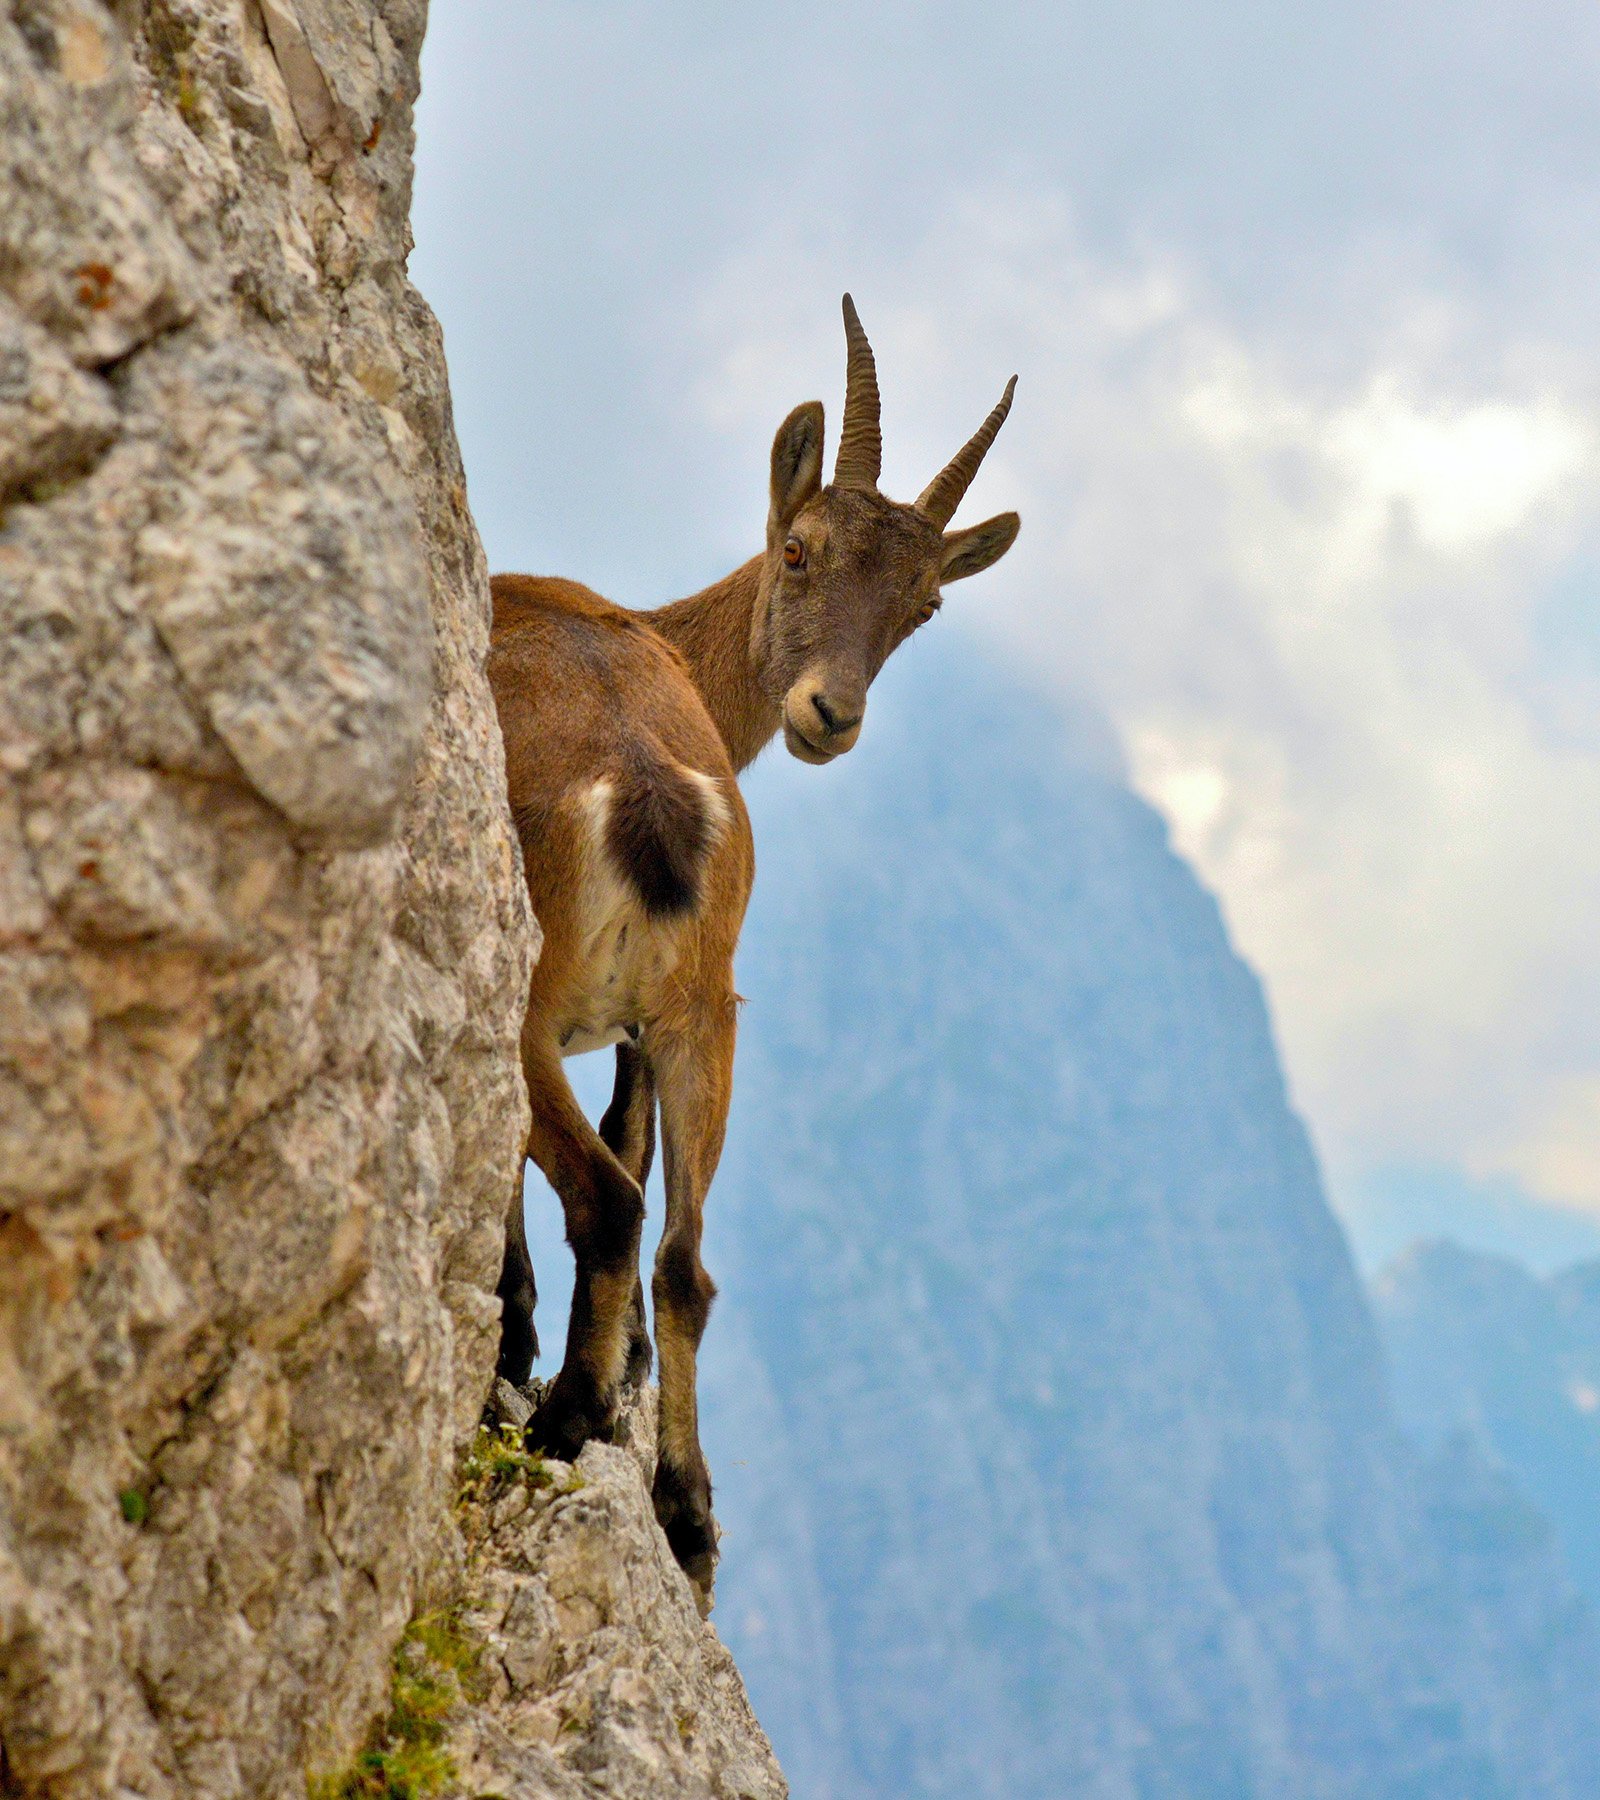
(602, 1677)
(264, 954)
(264, 942)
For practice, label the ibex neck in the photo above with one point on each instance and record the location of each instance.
(711, 631)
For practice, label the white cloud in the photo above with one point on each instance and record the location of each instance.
(1559, 1155)
(1304, 586)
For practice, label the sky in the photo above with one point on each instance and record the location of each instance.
(1305, 310)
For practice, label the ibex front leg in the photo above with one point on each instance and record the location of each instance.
(694, 1064)
(628, 1130)
(604, 1211)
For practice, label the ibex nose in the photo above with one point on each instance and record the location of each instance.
(832, 723)
(820, 721)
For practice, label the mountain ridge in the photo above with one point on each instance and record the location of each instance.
(1062, 1407)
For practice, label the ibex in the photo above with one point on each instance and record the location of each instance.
(624, 734)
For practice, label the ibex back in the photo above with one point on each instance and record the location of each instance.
(625, 732)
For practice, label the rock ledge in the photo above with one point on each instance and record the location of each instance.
(601, 1677)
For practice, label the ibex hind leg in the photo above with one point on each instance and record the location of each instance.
(628, 1130)
(604, 1212)
(519, 1341)
(694, 1064)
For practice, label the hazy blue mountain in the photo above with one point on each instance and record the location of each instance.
(1047, 1413)
(1479, 1345)
(1048, 1418)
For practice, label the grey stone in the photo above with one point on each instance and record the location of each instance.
(611, 1683)
(507, 1406)
(264, 955)
(53, 418)
(264, 942)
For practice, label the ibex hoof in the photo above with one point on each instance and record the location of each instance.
(564, 1421)
(702, 1573)
(519, 1350)
(683, 1510)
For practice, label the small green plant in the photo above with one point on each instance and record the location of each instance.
(135, 1506)
(494, 1461)
(579, 1719)
(437, 1665)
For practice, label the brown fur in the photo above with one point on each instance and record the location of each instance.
(624, 733)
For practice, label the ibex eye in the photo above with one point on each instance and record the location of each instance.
(794, 553)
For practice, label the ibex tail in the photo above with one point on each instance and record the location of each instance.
(662, 820)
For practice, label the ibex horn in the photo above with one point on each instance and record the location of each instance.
(940, 498)
(860, 439)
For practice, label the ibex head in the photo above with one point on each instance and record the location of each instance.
(849, 574)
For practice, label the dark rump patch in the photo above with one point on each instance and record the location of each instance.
(658, 833)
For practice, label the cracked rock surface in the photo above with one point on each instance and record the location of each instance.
(264, 943)
(601, 1677)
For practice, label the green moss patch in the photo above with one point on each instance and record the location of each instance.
(437, 1666)
(495, 1461)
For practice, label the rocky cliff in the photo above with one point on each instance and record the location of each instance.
(592, 1670)
(264, 942)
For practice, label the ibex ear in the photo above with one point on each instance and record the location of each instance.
(796, 463)
(971, 551)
